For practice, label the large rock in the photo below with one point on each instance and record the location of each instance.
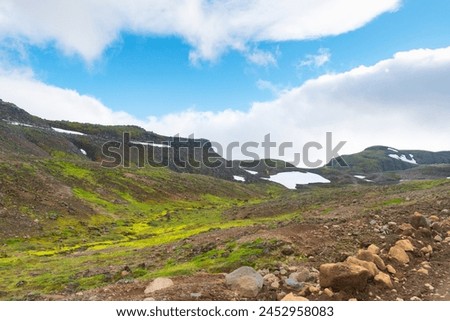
(343, 276)
(370, 266)
(406, 245)
(158, 284)
(398, 254)
(379, 262)
(373, 249)
(384, 279)
(365, 255)
(245, 281)
(418, 220)
(370, 256)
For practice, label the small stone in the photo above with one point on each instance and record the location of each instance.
(427, 249)
(392, 224)
(281, 295)
(434, 218)
(292, 283)
(196, 295)
(406, 229)
(288, 250)
(328, 292)
(384, 279)
(438, 238)
(158, 284)
(418, 220)
(398, 254)
(447, 239)
(372, 222)
(149, 299)
(398, 299)
(423, 271)
(302, 275)
(353, 299)
(270, 278)
(275, 285)
(124, 273)
(283, 271)
(445, 211)
(292, 297)
(406, 245)
(313, 289)
(429, 287)
(415, 298)
(373, 249)
(390, 269)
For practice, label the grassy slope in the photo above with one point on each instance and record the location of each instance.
(122, 217)
(113, 214)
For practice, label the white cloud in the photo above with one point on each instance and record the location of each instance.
(211, 27)
(401, 102)
(261, 58)
(54, 103)
(322, 57)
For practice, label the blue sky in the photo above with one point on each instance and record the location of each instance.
(373, 72)
(148, 75)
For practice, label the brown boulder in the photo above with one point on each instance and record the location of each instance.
(343, 276)
(398, 254)
(373, 249)
(370, 266)
(406, 245)
(384, 279)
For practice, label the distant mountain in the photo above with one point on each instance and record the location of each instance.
(23, 135)
(382, 158)
(383, 164)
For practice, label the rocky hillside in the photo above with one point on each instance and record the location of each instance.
(73, 229)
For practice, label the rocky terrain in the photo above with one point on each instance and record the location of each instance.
(401, 257)
(71, 229)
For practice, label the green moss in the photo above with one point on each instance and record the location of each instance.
(216, 260)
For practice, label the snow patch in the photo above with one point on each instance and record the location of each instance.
(83, 151)
(392, 149)
(239, 178)
(291, 179)
(152, 144)
(360, 176)
(64, 131)
(403, 158)
(17, 123)
(249, 171)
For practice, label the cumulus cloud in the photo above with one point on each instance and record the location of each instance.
(402, 102)
(20, 87)
(211, 27)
